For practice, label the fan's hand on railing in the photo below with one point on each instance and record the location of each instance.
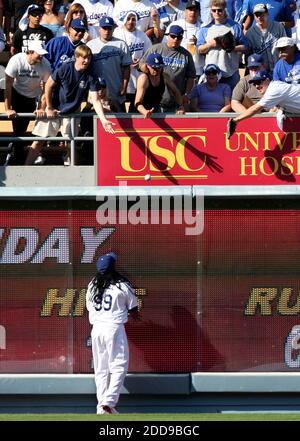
(11, 113)
(39, 113)
(52, 113)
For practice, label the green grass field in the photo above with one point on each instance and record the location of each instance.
(154, 417)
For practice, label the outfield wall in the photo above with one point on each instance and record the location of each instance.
(220, 305)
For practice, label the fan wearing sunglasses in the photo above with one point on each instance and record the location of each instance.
(151, 86)
(178, 64)
(284, 96)
(208, 43)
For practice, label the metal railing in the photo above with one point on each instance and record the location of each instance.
(72, 139)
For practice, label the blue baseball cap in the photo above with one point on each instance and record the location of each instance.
(261, 75)
(77, 23)
(211, 67)
(106, 262)
(255, 60)
(155, 60)
(176, 30)
(35, 10)
(106, 22)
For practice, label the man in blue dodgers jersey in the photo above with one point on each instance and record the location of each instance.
(178, 63)
(95, 9)
(111, 61)
(287, 67)
(61, 49)
(65, 90)
(137, 42)
(109, 298)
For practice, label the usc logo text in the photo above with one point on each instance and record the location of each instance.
(186, 152)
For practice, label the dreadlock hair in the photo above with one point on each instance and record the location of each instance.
(102, 281)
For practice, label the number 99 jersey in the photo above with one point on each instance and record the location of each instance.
(117, 300)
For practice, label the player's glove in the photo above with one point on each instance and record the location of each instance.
(231, 125)
(226, 41)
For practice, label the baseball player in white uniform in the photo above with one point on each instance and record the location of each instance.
(109, 298)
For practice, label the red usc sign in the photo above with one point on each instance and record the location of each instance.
(195, 151)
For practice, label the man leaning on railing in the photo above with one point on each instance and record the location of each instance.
(65, 90)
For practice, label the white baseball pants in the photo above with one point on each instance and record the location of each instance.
(110, 357)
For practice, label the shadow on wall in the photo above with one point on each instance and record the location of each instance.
(181, 347)
(2, 176)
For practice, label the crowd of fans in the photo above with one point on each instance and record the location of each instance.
(170, 56)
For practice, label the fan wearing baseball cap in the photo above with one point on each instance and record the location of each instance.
(277, 11)
(211, 95)
(288, 66)
(179, 65)
(191, 24)
(111, 61)
(245, 94)
(262, 34)
(110, 298)
(277, 94)
(61, 49)
(151, 86)
(25, 73)
(138, 43)
(30, 29)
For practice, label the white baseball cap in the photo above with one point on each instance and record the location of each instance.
(284, 41)
(260, 7)
(37, 46)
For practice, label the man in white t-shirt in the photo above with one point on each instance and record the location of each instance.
(274, 94)
(26, 75)
(191, 25)
(137, 42)
(141, 7)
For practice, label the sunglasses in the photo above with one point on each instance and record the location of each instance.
(179, 37)
(211, 72)
(107, 28)
(36, 14)
(217, 10)
(79, 30)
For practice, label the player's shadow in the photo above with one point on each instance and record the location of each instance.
(275, 160)
(127, 124)
(209, 160)
(182, 347)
